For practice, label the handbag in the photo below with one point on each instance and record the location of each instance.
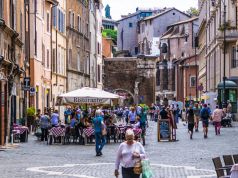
(146, 169)
(104, 130)
(138, 167)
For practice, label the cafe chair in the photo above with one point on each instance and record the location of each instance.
(220, 170)
(235, 157)
(228, 160)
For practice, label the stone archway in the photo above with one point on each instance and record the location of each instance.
(129, 97)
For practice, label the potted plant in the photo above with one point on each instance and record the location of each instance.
(31, 111)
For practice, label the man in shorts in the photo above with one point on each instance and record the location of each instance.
(205, 115)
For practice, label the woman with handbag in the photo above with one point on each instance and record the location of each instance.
(129, 156)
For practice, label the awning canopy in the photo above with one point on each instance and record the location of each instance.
(228, 84)
(86, 95)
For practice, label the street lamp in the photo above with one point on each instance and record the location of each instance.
(224, 102)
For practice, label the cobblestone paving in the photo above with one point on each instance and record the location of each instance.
(182, 159)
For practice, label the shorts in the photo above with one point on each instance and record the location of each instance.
(205, 123)
(190, 127)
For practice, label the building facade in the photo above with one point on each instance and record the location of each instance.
(109, 24)
(127, 36)
(217, 18)
(151, 28)
(59, 76)
(177, 74)
(12, 57)
(99, 45)
(78, 44)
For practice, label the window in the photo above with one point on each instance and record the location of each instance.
(99, 73)
(79, 21)
(192, 81)
(21, 25)
(43, 54)
(37, 97)
(87, 30)
(54, 61)
(130, 24)
(48, 22)
(70, 57)
(234, 61)
(48, 58)
(143, 28)
(36, 43)
(78, 61)
(1, 8)
(98, 48)
(72, 20)
(55, 16)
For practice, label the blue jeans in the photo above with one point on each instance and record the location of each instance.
(100, 141)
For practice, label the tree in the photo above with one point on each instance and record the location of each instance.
(111, 34)
(192, 11)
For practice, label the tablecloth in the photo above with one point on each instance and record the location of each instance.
(22, 129)
(88, 131)
(57, 131)
(234, 171)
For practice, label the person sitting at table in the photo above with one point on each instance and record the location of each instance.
(137, 123)
(73, 121)
(44, 125)
(67, 115)
(55, 119)
(87, 123)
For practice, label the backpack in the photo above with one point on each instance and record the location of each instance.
(191, 113)
(205, 114)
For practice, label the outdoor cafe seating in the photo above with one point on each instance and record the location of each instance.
(230, 168)
(20, 133)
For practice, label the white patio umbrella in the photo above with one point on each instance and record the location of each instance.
(86, 95)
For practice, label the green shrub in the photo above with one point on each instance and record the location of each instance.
(31, 111)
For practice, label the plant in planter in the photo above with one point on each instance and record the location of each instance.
(31, 111)
(226, 26)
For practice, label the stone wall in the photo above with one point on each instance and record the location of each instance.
(135, 75)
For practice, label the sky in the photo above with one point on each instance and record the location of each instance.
(123, 7)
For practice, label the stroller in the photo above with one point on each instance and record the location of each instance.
(226, 121)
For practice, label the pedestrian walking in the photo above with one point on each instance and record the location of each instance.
(44, 125)
(196, 111)
(217, 117)
(132, 116)
(99, 127)
(205, 115)
(129, 156)
(190, 120)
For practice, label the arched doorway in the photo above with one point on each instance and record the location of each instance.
(128, 97)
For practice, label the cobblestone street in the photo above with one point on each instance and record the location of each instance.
(182, 159)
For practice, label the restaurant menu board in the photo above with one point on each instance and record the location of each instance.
(163, 130)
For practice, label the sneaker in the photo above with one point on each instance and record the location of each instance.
(98, 154)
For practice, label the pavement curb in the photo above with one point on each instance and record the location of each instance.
(9, 146)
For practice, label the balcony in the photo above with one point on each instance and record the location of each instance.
(231, 32)
(231, 35)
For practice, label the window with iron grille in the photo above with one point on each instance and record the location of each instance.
(234, 60)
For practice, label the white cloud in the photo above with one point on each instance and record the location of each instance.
(123, 7)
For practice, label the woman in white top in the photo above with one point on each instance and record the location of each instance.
(128, 154)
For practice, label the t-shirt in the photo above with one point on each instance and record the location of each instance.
(97, 122)
(132, 116)
(205, 113)
(54, 119)
(190, 114)
(164, 114)
(67, 115)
